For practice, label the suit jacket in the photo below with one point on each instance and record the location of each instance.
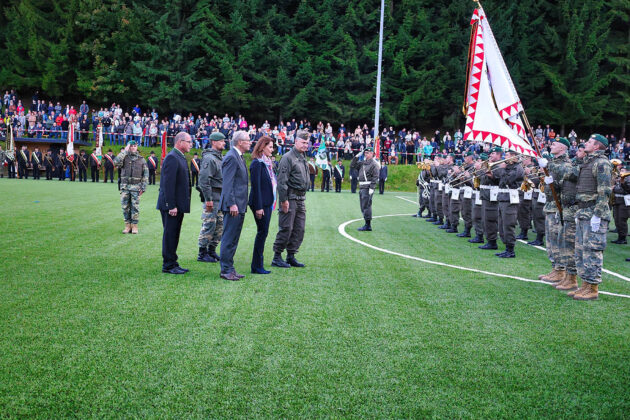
(235, 182)
(261, 193)
(174, 183)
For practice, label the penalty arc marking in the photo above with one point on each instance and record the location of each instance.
(342, 232)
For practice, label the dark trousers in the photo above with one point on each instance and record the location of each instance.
(490, 211)
(262, 230)
(621, 216)
(508, 215)
(291, 227)
(49, 172)
(365, 201)
(326, 181)
(312, 181)
(82, 174)
(36, 172)
(467, 207)
(232, 226)
(22, 171)
(11, 170)
(538, 215)
(455, 207)
(381, 186)
(337, 184)
(151, 177)
(353, 184)
(524, 213)
(194, 178)
(170, 238)
(110, 172)
(477, 217)
(61, 173)
(94, 172)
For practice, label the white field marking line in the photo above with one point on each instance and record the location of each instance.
(612, 273)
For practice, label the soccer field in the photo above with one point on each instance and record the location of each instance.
(90, 327)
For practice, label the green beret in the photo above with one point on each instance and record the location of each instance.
(451, 155)
(581, 146)
(303, 134)
(627, 166)
(497, 149)
(563, 141)
(217, 136)
(603, 140)
(483, 157)
(369, 149)
(470, 154)
(131, 143)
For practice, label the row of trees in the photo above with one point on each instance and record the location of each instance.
(296, 58)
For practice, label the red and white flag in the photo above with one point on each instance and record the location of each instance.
(163, 145)
(70, 148)
(492, 104)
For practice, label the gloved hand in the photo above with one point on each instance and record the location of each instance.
(595, 222)
(385, 179)
(371, 191)
(548, 180)
(542, 162)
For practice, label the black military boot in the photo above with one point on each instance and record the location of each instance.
(278, 261)
(204, 256)
(538, 241)
(293, 262)
(478, 239)
(367, 227)
(431, 218)
(452, 229)
(213, 254)
(464, 234)
(522, 235)
(509, 252)
(439, 221)
(446, 225)
(621, 240)
(490, 245)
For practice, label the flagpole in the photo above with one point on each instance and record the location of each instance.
(378, 76)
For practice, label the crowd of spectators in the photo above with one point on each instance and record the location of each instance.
(48, 119)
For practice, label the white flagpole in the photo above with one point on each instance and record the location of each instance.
(378, 75)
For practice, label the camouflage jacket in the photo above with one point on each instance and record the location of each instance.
(119, 161)
(602, 172)
(558, 166)
(211, 175)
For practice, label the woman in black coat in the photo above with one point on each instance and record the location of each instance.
(262, 197)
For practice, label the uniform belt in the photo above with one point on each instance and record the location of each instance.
(364, 183)
(536, 190)
(586, 204)
(299, 193)
(214, 189)
(484, 187)
(433, 181)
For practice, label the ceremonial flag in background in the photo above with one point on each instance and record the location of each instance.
(321, 159)
(163, 145)
(70, 148)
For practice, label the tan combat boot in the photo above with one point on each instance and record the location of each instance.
(556, 277)
(588, 293)
(127, 228)
(579, 290)
(569, 282)
(543, 276)
(134, 229)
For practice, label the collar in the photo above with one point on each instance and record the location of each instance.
(179, 151)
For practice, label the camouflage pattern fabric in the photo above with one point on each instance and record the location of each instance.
(552, 239)
(566, 246)
(211, 229)
(589, 250)
(130, 202)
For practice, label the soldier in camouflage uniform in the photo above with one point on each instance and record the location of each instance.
(210, 187)
(567, 233)
(134, 177)
(559, 165)
(594, 186)
(368, 177)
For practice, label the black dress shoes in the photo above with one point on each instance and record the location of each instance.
(260, 271)
(174, 270)
(230, 276)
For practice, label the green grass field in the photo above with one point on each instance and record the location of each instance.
(90, 327)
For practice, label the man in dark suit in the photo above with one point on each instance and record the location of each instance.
(174, 201)
(233, 202)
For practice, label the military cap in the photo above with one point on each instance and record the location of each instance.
(303, 134)
(152, 152)
(497, 149)
(563, 140)
(470, 154)
(603, 140)
(483, 157)
(452, 155)
(369, 149)
(132, 143)
(217, 136)
(581, 146)
(627, 166)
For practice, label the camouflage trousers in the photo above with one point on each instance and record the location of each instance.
(552, 240)
(567, 245)
(130, 203)
(211, 229)
(589, 250)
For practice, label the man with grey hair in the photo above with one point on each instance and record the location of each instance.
(233, 202)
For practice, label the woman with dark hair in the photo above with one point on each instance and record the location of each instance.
(262, 197)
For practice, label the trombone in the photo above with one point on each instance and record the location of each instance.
(485, 167)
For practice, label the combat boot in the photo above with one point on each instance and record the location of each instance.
(278, 261)
(555, 276)
(542, 276)
(478, 239)
(204, 256)
(439, 222)
(569, 282)
(134, 228)
(464, 234)
(621, 240)
(213, 253)
(431, 218)
(522, 235)
(127, 228)
(489, 245)
(509, 252)
(538, 241)
(445, 225)
(589, 292)
(453, 229)
(578, 290)
(293, 262)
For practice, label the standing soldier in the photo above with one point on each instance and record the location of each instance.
(368, 177)
(339, 173)
(444, 173)
(49, 164)
(312, 172)
(293, 181)
(95, 165)
(23, 159)
(511, 177)
(9, 162)
(210, 187)
(60, 165)
(525, 197)
(466, 195)
(83, 165)
(594, 187)
(354, 180)
(194, 170)
(423, 192)
(559, 164)
(134, 176)
(108, 160)
(489, 200)
(36, 162)
(438, 219)
(538, 204)
(477, 213)
(622, 205)
(382, 177)
(152, 164)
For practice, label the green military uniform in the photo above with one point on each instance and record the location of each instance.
(368, 177)
(490, 205)
(133, 182)
(210, 187)
(444, 175)
(477, 209)
(594, 186)
(511, 178)
(621, 211)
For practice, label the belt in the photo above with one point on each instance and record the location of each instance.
(536, 190)
(503, 190)
(364, 183)
(484, 187)
(586, 204)
(433, 181)
(299, 193)
(217, 189)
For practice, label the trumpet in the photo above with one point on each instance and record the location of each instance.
(425, 165)
(527, 185)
